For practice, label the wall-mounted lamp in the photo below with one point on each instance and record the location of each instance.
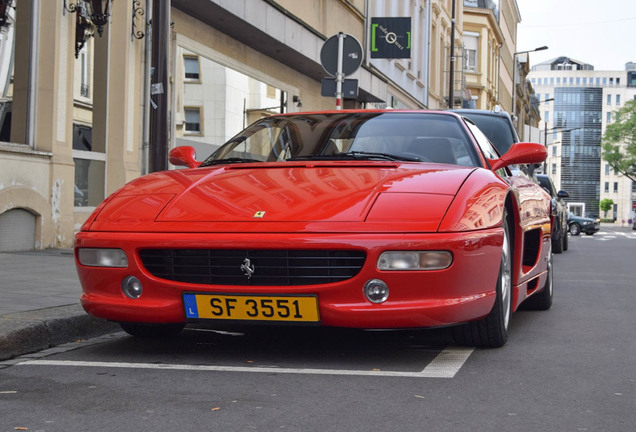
(296, 100)
(5, 5)
(93, 13)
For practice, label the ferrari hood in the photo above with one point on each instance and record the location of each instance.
(264, 196)
(328, 193)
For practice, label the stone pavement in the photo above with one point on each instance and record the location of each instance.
(39, 303)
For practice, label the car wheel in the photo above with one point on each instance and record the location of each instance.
(575, 229)
(565, 240)
(151, 330)
(589, 233)
(543, 299)
(557, 246)
(492, 331)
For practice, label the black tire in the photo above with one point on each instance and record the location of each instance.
(565, 240)
(575, 229)
(152, 330)
(557, 245)
(492, 331)
(589, 233)
(543, 299)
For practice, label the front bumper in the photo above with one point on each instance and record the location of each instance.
(463, 292)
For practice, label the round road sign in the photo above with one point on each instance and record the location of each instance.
(351, 55)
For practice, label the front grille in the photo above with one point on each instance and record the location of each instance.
(270, 267)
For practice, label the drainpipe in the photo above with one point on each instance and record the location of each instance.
(147, 79)
(31, 122)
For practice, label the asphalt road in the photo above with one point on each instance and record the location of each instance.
(571, 368)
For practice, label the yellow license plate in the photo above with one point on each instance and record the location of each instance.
(251, 308)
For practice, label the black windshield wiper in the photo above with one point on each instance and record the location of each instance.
(358, 155)
(228, 161)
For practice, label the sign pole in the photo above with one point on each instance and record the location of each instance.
(339, 74)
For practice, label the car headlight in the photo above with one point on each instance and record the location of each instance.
(94, 257)
(415, 260)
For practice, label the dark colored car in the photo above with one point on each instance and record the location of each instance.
(496, 125)
(578, 224)
(559, 214)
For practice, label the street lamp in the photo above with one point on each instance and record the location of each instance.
(514, 72)
(90, 14)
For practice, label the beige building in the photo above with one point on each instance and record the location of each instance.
(75, 116)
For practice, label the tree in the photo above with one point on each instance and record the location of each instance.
(619, 141)
(606, 205)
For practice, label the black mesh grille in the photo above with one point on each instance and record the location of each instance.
(271, 267)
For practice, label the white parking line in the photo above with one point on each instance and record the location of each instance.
(445, 365)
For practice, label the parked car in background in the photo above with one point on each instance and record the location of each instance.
(578, 224)
(559, 214)
(495, 124)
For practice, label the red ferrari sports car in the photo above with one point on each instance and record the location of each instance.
(366, 219)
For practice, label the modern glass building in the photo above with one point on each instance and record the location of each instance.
(578, 120)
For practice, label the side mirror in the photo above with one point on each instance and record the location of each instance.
(184, 156)
(521, 153)
(563, 194)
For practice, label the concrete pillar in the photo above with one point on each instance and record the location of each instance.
(118, 96)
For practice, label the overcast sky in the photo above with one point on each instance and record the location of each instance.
(601, 33)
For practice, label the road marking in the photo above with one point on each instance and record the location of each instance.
(445, 365)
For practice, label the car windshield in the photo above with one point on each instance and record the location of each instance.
(496, 128)
(414, 137)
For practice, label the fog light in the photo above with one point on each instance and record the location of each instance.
(376, 291)
(95, 257)
(415, 260)
(131, 287)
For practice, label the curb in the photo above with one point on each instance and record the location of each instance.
(27, 332)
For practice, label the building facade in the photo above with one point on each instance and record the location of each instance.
(79, 95)
(578, 103)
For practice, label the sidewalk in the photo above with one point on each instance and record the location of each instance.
(39, 307)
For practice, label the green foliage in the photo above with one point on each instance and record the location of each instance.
(619, 141)
(606, 205)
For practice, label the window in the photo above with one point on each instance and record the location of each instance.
(607, 169)
(193, 120)
(90, 169)
(609, 117)
(554, 168)
(606, 186)
(618, 81)
(191, 66)
(546, 116)
(558, 80)
(84, 89)
(609, 99)
(584, 81)
(571, 80)
(551, 81)
(547, 96)
(618, 99)
(471, 44)
(604, 81)
(615, 187)
(578, 80)
(554, 150)
(611, 81)
(598, 80)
